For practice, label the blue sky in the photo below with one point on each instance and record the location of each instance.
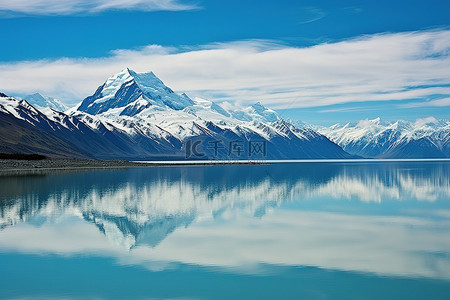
(350, 59)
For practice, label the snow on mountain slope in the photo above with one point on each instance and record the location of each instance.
(28, 130)
(40, 102)
(23, 110)
(140, 105)
(401, 139)
(259, 112)
(129, 87)
(9, 105)
(130, 97)
(135, 116)
(24, 129)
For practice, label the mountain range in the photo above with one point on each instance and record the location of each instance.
(135, 116)
(425, 138)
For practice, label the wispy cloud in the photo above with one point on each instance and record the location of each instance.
(310, 14)
(67, 7)
(402, 66)
(436, 102)
(423, 121)
(346, 109)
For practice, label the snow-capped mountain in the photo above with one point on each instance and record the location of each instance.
(133, 92)
(143, 98)
(141, 106)
(25, 129)
(42, 102)
(135, 116)
(425, 138)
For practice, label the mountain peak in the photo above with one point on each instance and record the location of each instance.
(149, 80)
(259, 112)
(368, 123)
(41, 101)
(37, 95)
(259, 107)
(127, 87)
(130, 72)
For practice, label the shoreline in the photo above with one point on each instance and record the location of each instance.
(8, 166)
(14, 165)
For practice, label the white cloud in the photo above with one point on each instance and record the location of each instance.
(66, 7)
(413, 65)
(440, 102)
(436, 102)
(424, 121)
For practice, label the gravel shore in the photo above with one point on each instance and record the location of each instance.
(14, 166)
(64, 164)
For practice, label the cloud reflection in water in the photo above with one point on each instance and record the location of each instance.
(240, 217)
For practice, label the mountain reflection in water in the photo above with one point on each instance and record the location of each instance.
(382, 218)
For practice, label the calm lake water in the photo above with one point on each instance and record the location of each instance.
(361, 230)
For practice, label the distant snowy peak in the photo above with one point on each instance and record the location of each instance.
(260, 111)
(40, 101)
(375, 138)
(127, 87)
(364, 128)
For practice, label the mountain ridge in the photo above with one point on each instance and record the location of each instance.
(135, 116)
(425, 138)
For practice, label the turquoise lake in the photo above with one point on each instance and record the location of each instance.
(306, 230)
